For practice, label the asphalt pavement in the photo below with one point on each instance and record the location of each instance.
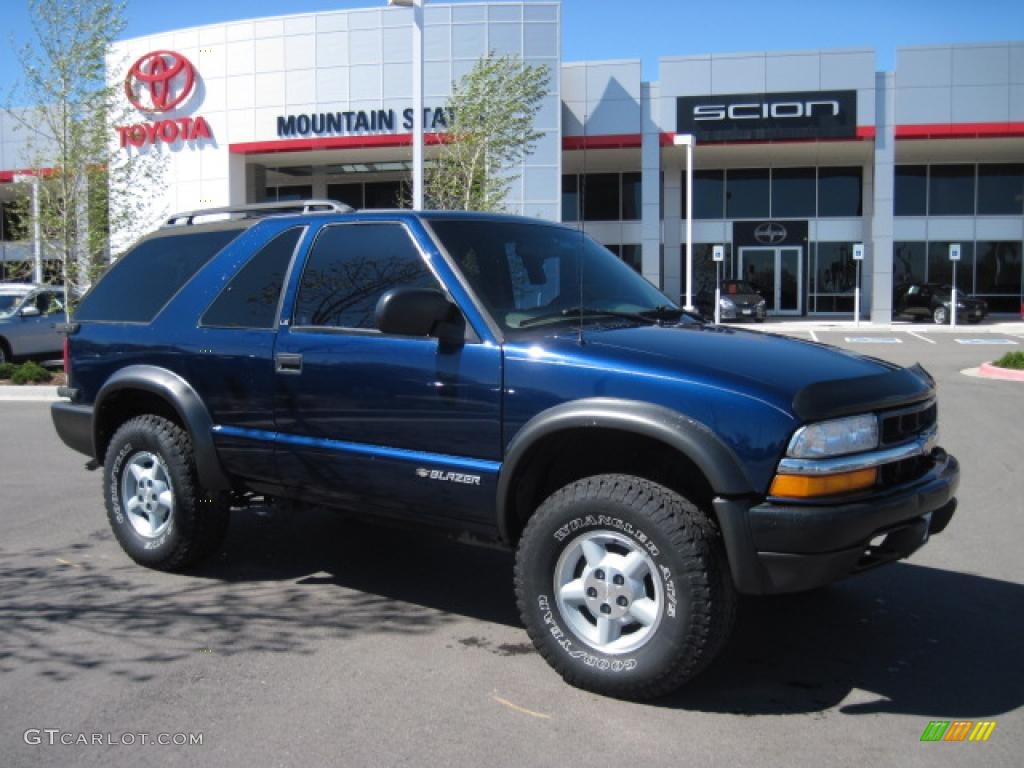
(313, 639)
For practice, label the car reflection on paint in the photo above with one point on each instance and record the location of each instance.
(741, 300)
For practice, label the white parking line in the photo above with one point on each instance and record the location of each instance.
(986, 341)
(922, 338)
(813, 335)
(873, 340)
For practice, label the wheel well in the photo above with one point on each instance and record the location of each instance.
(573, 454)
(124, 404)
(6, 347)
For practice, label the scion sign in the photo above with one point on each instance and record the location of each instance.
(765, 116)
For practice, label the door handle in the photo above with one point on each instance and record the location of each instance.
(287, 362)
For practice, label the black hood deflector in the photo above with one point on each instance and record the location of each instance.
(846, 397)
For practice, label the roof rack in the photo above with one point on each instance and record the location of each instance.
(258, 210)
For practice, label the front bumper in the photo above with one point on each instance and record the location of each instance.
(742, 313)
(775, 548)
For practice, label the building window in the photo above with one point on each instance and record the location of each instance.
(909, 263)
(747, 194)
(840, 192)
(349, 194)
(11, 228)
(289, 192)
(570, 198)
(940, 268)
(793, 193)
(631, 254)
(704, 272)
(951, 190)
(387, 194)
(1001, 190)
(998, 271)
(601, 197)
(833, 278)
(911, 190)
(631, 200)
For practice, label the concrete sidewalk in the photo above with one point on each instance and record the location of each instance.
(28, 393)
(1010, 325)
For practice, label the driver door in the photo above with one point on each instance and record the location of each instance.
(396, 425)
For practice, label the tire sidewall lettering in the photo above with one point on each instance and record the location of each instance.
(563, 640)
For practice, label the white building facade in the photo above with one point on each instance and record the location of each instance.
(799, 155)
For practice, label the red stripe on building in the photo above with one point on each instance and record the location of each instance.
(374, 141)
(961, 130)
(7, 177)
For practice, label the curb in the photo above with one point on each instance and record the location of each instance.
(28, 394)
(989, 371)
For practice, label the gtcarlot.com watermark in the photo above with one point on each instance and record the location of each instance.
(55, 736)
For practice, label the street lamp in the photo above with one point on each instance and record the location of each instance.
(417, 98)
(689, 141)
(37, 240)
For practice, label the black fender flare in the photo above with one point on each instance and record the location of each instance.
(691, 438)
(186, 402)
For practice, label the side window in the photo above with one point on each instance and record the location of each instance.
(141, 282)
(250, 299)
(350, 267)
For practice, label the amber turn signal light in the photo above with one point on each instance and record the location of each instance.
(808, 486)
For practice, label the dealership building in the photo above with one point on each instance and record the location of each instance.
(799, 155)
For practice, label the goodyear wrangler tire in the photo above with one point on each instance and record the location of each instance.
(623, 586)
(154, 504)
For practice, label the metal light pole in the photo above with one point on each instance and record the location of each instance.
(718, 254)
(689, 141)
(417, 98)
(37, 238)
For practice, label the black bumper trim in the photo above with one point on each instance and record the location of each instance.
(774, 548)
(74, 426)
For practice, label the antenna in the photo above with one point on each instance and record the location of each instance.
(579, 226)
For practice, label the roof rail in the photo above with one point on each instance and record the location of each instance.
(257, 210)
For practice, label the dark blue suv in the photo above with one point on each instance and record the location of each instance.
(509, 378)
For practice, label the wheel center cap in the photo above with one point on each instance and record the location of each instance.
(608, 594)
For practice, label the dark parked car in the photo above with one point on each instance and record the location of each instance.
(932, 300)
(740, 300)
(469, 371)
(29, 315)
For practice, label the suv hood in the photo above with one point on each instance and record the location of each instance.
(770, 367)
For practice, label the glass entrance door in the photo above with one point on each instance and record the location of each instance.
(778, 274)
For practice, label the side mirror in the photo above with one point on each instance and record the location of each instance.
(29, 311)
(411, 311)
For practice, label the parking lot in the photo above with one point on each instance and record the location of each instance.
(313, 639)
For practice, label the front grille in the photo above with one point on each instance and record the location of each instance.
(907, 423)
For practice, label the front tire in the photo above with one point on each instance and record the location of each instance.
(623, 586)
(155, 507)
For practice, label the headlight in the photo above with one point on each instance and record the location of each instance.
(835, 438)
(726, 303)
(762, 302)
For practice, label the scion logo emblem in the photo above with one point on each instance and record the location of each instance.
(770, 233)
(159, 81)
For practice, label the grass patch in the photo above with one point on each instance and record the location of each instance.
(1013, 360)
(31, 373)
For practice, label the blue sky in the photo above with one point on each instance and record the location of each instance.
(645, 29)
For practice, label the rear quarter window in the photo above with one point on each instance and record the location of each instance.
(141, 282)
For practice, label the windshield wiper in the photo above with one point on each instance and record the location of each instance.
(580, 311)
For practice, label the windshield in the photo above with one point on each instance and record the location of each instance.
(528, 275)
(9, 303)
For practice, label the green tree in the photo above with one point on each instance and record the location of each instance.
(86, 178)
(491, 112)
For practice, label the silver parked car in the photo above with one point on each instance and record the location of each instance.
(29, 315)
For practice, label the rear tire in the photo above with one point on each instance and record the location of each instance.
(5, 352)
(155, 507)
(623, 586)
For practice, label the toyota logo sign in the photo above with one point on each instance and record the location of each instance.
(159, 81)
(770, 233)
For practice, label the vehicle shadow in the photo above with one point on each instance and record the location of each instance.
(903, 639)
